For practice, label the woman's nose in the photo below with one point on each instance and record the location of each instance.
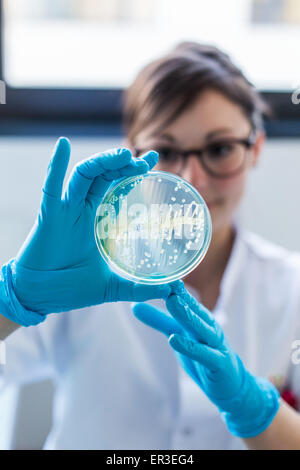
(194, 173)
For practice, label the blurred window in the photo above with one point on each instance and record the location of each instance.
(103, 43)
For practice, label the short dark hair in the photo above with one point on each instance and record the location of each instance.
(169, 85)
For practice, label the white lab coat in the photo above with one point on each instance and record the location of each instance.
(118, 384)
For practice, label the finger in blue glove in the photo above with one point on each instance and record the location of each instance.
(247, 403)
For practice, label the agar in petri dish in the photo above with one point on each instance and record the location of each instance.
(153, 228)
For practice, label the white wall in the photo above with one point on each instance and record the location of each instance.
(270, 208)
(271, 205)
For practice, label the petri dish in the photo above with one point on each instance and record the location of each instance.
(153, 228)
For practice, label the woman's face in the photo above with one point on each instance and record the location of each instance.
(212, 118)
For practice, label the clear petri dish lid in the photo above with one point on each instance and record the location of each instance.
(153, 228)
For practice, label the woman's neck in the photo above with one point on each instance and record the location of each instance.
(207, 276)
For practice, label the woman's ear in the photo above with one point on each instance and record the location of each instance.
(258, 146)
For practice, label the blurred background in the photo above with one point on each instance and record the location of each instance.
(65, 64)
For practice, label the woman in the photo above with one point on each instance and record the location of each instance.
(203, 117)
(117, 382)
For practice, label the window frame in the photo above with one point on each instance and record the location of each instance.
(98, 112)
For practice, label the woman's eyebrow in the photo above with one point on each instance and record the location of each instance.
(215, 133)
(211, 135)
(208, 136)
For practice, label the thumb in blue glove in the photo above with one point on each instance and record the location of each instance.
(59, 267)
(247, 403)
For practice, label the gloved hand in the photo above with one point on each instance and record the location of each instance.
(59, 266)
(247, 403)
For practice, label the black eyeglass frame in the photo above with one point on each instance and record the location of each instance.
(248, 143)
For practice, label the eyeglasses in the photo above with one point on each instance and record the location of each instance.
(221, 159)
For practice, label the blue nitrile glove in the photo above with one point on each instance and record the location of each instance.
(59, 266)
(247, 403)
